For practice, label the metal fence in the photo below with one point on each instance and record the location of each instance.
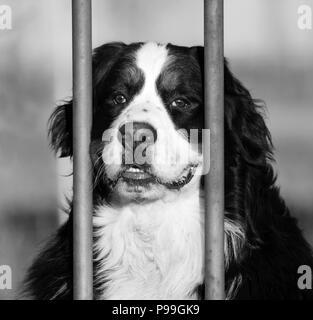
(214, 120)
(82, 169)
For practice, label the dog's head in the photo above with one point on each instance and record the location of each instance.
(148, 120)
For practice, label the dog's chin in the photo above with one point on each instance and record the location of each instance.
(127, 190)
(139, 184)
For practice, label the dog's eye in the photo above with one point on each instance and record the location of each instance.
(119, 99)
(179, 103)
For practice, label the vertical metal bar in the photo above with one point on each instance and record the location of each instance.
(214, 120)
(82, 118)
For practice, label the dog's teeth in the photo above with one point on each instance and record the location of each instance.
(133, 169)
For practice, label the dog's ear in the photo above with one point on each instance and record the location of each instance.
(244, 122)
(61, 130)
(60, 122)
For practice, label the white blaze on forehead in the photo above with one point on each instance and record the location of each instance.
(151, 58)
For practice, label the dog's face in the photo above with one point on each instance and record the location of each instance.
(147, 113)
(147, 102)
(147, 120)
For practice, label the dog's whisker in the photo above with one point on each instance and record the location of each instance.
(99, 174)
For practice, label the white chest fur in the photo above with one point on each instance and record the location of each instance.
(151, 251)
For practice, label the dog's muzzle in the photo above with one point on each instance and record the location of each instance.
(138, 141)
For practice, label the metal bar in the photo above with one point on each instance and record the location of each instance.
(214, 150)
(82, 118)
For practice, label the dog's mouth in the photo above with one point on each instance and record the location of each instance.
(184, 178)
(135, 174)
(141, 176)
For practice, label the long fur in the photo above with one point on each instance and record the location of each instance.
(155, 251)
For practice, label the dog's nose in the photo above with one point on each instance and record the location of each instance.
(133, 134)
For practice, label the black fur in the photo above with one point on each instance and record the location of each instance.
(273, 247)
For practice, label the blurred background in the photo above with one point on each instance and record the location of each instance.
(267, 51)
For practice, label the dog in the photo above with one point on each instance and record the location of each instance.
(148, 209)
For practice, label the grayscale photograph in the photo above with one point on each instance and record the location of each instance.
(156, 150)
